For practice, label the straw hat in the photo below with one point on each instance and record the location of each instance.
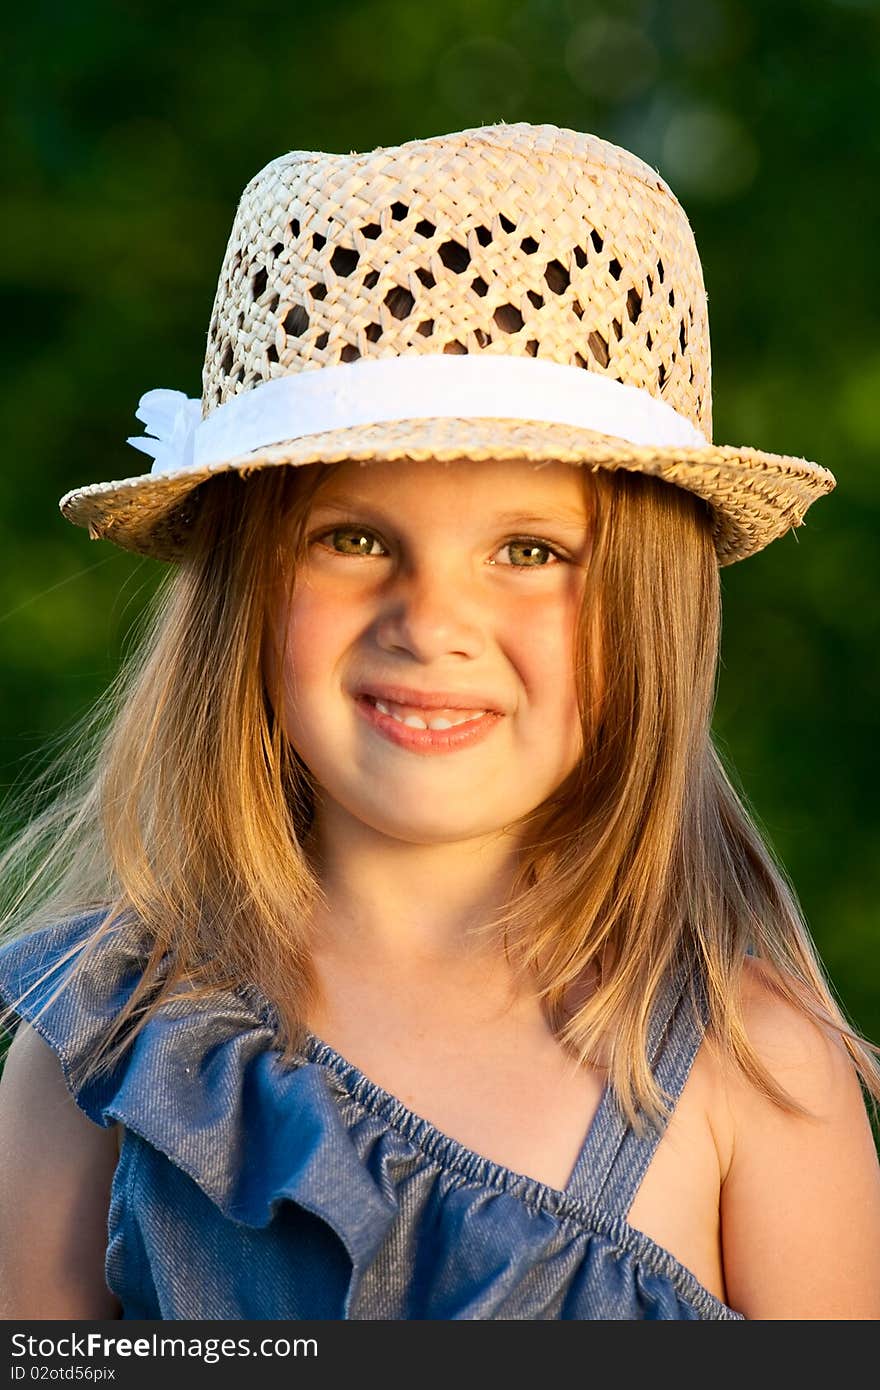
(511, 291)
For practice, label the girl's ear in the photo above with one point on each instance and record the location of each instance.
(274, 633)
(269, 653)
(300, 485)
(591, 654)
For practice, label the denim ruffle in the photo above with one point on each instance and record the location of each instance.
(431, 1229)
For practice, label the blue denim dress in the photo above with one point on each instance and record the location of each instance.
(248, 1190)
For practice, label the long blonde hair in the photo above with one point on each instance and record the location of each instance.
(179, 803)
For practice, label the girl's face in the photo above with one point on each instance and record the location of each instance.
(446, 596)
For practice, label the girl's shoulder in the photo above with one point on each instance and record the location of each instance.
(215, 1052)
(808, 1063)
(800, 1197)
(55, 1184)
(803, 1058)
(71, 981)
(61, 987)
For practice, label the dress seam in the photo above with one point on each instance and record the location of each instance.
(444, 1152)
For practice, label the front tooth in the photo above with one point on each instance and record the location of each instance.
(414, 722)
(454, 723)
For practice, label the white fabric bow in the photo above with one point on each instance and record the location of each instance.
(171, 417)
(417, 387)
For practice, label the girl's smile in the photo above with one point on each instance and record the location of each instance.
(434, 613)
(427, 722)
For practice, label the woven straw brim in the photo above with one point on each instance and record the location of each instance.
(755, 496)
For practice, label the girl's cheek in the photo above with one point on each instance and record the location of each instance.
(322, 624)
(543, 632)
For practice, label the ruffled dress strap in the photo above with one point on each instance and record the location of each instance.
(202, 1082)
(611, 1166)
(247, 1188)
(71, 1007)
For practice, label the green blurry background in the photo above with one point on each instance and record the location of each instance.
(131, 130)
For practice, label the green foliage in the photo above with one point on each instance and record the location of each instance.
(130, 132)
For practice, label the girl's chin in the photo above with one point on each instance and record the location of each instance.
(421, 832)
(413, 826)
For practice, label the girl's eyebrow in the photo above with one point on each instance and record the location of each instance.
(566, 516)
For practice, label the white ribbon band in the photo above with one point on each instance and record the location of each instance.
(403, 388)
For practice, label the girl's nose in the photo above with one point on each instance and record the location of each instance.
(430, 616)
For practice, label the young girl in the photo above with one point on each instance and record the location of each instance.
(401, 940)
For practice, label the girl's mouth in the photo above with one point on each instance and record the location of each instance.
(426, 730)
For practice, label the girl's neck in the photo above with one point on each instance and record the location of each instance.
(407, 907)
(393, 939)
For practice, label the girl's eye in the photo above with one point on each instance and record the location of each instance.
(524, 552)
(527, 553)
(352, 540)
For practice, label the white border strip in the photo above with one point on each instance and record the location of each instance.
(430, 386)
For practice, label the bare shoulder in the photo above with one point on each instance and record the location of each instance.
(56, 1170)
(800, 1197)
